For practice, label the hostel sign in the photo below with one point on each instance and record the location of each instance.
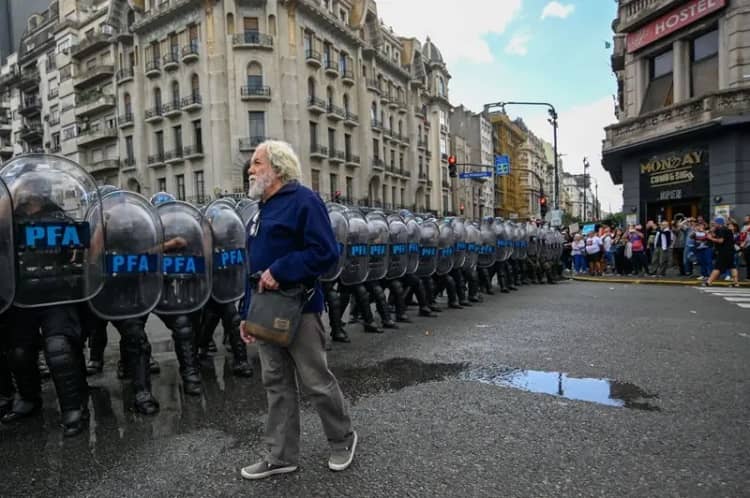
(674, 176)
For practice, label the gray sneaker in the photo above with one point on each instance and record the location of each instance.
(264, 469)
(341, 458)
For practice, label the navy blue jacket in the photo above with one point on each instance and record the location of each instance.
(294, 240)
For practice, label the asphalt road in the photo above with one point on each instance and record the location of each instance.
(428, 427)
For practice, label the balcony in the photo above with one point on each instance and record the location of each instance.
(154, 114)
(190, 52)
(104, 165)
(90, 137)
(31, 106)
(95, 74)
(128, 163)
(192, 151)
(6, 149)
(422, 177)
(393, 103)
(93, 103)
(331, 68)
(336, 157)
(165, 12)
(156, 159)
(126, 120)
(351, 160)
(124, 75)
(192, 103)
(91, 44)
(172, 109)
(373, 85)
(636, 12)
(174, 156)
(312, 58)
(171, 61)
(318, 151)
(250, 144)
(401, 106)
(316, 105)
(153, 68)
(253, 39)
(32, 133)
(53, 93)
(419, 111)
(347, 77)
(5, 123)
(254, 92)
(29, 79)
(351, 119)
(376, 125)
(421, 144)
(713, 110)
(385, 99)
(335, 113)
(11, 76)
(377, 164)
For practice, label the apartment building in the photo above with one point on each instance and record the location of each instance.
(682, 140)
(508, 139)
(175, 95)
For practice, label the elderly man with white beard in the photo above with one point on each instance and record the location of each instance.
(292, 242)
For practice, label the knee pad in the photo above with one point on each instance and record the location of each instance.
(182, 328)
(59, 352)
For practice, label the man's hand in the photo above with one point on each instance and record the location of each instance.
(267, 282)
(247, 338)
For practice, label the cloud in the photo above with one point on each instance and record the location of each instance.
(518, 44)
(458, 29)
(556, 9)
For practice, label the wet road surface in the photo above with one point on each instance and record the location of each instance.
(576, 389)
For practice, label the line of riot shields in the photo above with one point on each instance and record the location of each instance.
(75, 256)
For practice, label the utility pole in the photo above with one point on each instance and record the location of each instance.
(585, 184)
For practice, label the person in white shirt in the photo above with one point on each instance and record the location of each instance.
(594, 254)
(578, 247)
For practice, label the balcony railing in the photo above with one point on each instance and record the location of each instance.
(351, 118)
(312, 57)
(336, 156)
(316, 105)
(172, 59)
(104, 165)
(153, 67)
(255, 92)
(190, 51)
(634, 12)
(128, 162)
(98, 72)
(377, 163)
(335, 112)
(347, 76)
(174, 155)
(154, 113)
(53, 93)
(377, 125)
(157, 158)
(124, 75)
(31, 105)
(317, 150)
(90, 136)
(192, 102)
(252, 39)
(192, 151)
(372, 84)
(331, 68)
(352, 159)
(92, 43)
(250, 143)
(126, 119)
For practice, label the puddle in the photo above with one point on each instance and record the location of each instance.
(601, 391)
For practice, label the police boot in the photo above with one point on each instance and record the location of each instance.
(66, 366)
(138, 364)
(397, 291)
(450, 288)
(382, 306)
(338, 334)
(182, 334)
(424, 304)
(231, 322)
(22, 364)
(362, 298)
(205, 331)
(44, 372)
(6, 385)
(97, 345)
(484, 281)
(460, 287)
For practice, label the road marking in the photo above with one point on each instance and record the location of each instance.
(738, 297)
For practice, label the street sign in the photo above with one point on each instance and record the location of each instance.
(475, 174)
(502, 165)
(555, 217)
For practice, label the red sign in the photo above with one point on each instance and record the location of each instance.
(671, 22)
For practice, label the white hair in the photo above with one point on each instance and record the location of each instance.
(283, 159)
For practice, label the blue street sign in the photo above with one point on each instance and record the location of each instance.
(476, 174)
(502, 165)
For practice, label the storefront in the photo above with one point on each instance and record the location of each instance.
(675, 183)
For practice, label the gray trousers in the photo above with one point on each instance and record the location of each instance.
(307, 358)
(660, 261)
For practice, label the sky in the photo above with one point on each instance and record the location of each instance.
(527, 50)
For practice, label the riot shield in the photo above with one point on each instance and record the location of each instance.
(247, 211)
(377, 224)
(533, 236)
(520, 234)
(446, 248)
(501, 240)
(398, 247)
(428, 247)
(58, 232)
(412, 262)
(7, 266)
(357, 266)
(340, 230)
(229, 252)
(459, 249)
(187, 262)
(133, 257)
(488, 243)
(473, 244)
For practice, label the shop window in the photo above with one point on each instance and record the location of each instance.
(704, 64)
(661, 83)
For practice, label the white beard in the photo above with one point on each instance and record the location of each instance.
(258, 185)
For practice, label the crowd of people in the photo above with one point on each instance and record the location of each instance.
(705, 250)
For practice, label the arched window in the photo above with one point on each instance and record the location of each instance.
(230, 23)
(195, 88)
(272, 25)
(311, 88)
(380, 82)
(329, 96)
(176, 93)
(157, 98)
(441, 86)
(127, 104)
(254, 75)
(346, 102)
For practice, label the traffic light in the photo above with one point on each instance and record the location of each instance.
(452, 166)
(543, 205)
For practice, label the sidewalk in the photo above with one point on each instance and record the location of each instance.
(668, 280)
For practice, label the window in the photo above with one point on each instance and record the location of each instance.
(309, 42)
(342, 63)
(349, 187)
(329, 97)
(376, 147)
(127, 104)
(313, 133)
(348, 146)
(331, 140)
(374, 112)
(177, 134)
(327, 55)
(250, 24)
(334, 184)
(56, 141)
(197, 136)
(402, 197)
(257, 125)
(311, 88)
(193, 35)
(157, 98)
(441, 86)
(660, 87)
(254, 75)
(344, 16)
(176, 94)
(385, 193)
(421, 171)
(200, 185)
(443, 119)
(180, 187)
(161, 184)
(159, 135)
(704, 64)
(316, 180)
(174, 46)
(401, 160)
(393, 196)
(195, 88)
(443, 145)
(129, 156)
(346, 103)
(393, 158)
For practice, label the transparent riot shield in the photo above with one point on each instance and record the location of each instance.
(398, 247)
(428, 247)
(7, 251)
(58, 232)
(247, 210)
(412, 262)
(473, 243)
(446, 247)
(377, 224)
(229, 252)
(133, 257)
(340, 228)
(187, 262)
(459, 249)
(357, 266)
(488, 243)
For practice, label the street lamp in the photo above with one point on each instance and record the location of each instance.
(552, 120)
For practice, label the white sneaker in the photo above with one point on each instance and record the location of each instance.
(341, 459)
(728, 278)
(699, 278)
(264, 469)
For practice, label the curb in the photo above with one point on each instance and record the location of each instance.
(650, 281)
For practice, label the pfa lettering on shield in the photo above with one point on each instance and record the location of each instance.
(131, 263)
(229, 257)
(45, 236)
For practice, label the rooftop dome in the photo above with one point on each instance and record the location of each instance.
(431, 52)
